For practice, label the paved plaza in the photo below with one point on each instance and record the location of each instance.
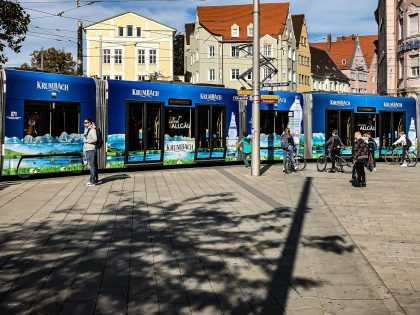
(212, 240)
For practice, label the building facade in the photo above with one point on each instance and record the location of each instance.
(304, 78)
(326, 76)
(354, 56)
(386, 17)
(219, 46)
(129, 47)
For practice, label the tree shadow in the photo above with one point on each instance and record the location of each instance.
(129, 256)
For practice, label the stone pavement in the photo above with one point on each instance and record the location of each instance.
(212, 241)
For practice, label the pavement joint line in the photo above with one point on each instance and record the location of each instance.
(268, 200)
(358, 248)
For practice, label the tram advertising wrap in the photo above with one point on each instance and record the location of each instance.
(43, 121)
(381, 116)
(169, 124)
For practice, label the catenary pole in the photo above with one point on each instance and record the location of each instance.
(255, 161)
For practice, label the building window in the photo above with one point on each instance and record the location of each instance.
(401, 68)
(294, 55)
(196, 55)
(234, 52)
(212, 75)
(211, 52)
(234, 74)
(250, 31)
(289, 50)
(129, 30)
(106, 77)
(266, 73)
(118, 55)
(414, 60)
(343, 61)
(267, 50)
(141, 78)
(414, 24)
(141, 56)
(138, 31)
(118, 77)
(249, 76)
(120, 31)
(290, 75)
(191, 60)
(400, 29)
(249, 51)
(107, 56)
(235, 31)
(152, 56)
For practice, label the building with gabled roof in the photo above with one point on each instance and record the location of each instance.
(354, 56)
(326, 75)
(303, 59)
(129, 46)
(219, 46)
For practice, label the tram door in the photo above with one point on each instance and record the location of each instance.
(144, 133)
(391, 123)
(341, 120)
(210, 132)
(367, 123)
(272, 125)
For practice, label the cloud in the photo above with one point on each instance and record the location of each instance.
(339, 17)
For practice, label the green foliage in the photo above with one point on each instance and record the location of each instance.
(179, 54)
(51, 60)
(13, 27)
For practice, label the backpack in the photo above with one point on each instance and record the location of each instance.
(372, 144)
(284, 142)
(99, 141)
(408, 142)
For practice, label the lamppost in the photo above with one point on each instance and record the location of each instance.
(255, 161)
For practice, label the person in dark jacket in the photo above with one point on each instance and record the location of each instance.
(360, 157)
(335, 145)
(288, 145)
(372, 146)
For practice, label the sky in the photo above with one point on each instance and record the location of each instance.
(336, 17)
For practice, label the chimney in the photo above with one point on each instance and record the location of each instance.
(329, 42)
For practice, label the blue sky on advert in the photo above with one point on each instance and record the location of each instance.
(339, 17)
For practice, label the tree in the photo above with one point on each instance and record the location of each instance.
(179, 54)
(51, 60)
(13, 27)
(156, 75)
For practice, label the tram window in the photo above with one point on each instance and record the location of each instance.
(386, 128)
(203, 127)
(217, 127)
(332, 123)
(399, 124)
(179, 122)
(345, 132)
(153, 127)
(267, 122)
(281, 119)
(43, 118)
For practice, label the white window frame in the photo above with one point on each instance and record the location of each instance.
(250, 30)
(138, 31)
(234, 52)
(106, 55)
(211, 75)
(235, 32)
(249, 50)
(415, 70)
(141, 56)
(234, 74)
(153, 55)
(132, 30)
(211, 51)
(120, 31)
(141, 77)
(118, 56)
(118, 77)
(249, 76)
(267, 50)
(106, 77)
(414, 27)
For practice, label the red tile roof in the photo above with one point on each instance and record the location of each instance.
(367, 43)
(219, 20)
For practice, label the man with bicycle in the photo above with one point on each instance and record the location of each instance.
(288, 144)
(335, 144)
(405, 142)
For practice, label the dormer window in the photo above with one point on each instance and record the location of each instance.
(250, 30)
(343, 61)
(235, 30)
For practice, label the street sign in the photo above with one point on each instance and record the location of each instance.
(275, 84)
(244, 92)
(241, 98)
(269, 99)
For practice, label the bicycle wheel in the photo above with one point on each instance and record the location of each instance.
(300, 163)
(392, 157)
(321, 163)
(287, 165)
(411, 159)
(344, 165)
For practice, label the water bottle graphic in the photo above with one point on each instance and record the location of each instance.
(295, 122)
(232, 136)
(412, 134)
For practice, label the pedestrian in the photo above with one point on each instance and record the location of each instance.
(335, 144)
(245, 147)
(90, 138)
(372, 147)
(288, 145)
(360, 157)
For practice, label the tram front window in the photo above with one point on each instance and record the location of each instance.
(345, 132)
(217, 127)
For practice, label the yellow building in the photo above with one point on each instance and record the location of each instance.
(129, 47)
(304, 78)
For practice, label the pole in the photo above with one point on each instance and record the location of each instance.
(80, 48)
(255, 161)
(100, 57)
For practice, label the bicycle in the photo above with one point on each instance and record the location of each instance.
(341, 164)
(393, 156)
(300, 162)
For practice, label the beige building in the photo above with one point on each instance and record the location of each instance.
(303, 60)
(218, 47)
(129, 47)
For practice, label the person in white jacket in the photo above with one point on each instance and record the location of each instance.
(402, 140)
